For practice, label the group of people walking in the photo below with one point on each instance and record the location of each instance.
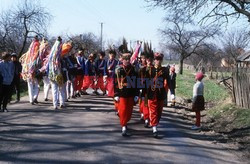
(135, 78)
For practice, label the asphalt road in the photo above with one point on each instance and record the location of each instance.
(88, 131)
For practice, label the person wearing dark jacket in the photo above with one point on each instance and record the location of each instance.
(156, 91)
(7, 74)
(17, 74)
(125, 91)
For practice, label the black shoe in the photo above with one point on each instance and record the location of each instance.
(146, 125)
(155, 134)
(32, 103)
(95, 92)
(62, 106)
(46, 99)
(85, 93)
(5, 110)
(124, 133)
(35, 101)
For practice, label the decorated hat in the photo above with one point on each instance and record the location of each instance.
(199, 76)
(158, 56)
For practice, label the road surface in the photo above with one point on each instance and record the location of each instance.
(88, 131)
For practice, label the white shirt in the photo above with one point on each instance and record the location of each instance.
(198, 89)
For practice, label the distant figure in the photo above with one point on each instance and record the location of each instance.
(172, 86)
(198, 99)
(7, 75)
(17, 75)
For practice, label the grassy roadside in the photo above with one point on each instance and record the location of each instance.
(212, 92)
(224, 112)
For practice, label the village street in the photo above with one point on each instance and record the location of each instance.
(88, 131)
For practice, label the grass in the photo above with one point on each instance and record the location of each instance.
(212, 91)
(224, 109)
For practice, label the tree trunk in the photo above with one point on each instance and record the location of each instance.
(181, 66)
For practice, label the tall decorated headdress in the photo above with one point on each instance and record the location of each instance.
(55, 73)
(29, 60)
(147, 50)
(123, 49)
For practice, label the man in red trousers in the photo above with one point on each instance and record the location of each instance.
(126, 92)
(156, 91)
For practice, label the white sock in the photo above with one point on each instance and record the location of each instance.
(146, 121)
(142, 115)
(124, 128)
(154, 129)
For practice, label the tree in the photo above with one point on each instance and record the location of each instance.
(185, 42)
(26, 19)
(219, 10)
(234, 44)
(87, 41)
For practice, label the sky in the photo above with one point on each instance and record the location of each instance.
(131, 19)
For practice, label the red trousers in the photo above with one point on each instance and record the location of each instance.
(110, 87)
(155, 111)
(144, 109)
(125, 108)
(88, 82)
(198, 118)
(141, 105)
(100, 84)
(78, 82)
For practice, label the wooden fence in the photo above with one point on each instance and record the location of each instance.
(241, 87)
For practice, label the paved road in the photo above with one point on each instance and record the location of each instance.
(88, 131)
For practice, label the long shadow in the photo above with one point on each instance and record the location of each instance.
(172, 126)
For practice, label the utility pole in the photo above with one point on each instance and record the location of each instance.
(101, 34)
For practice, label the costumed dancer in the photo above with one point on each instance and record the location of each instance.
(57, 74)
(44, 51)
(172, 86)
(90, 74)
(29, 64)
(141, 73)
(156, 91)
(100, 65)
(109, 73)
(80, 72)
(198, 103)
(146, 64)
(126, 92)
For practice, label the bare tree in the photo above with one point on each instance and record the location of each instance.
(234, 44)
(88, 41)
(23, 21)
(185, 42)
(218, 10)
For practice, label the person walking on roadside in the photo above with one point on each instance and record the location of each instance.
(7, 69)
(172, 86)
(17, 75)
(198, 103)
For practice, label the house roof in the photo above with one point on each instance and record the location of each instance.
(244, 57)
